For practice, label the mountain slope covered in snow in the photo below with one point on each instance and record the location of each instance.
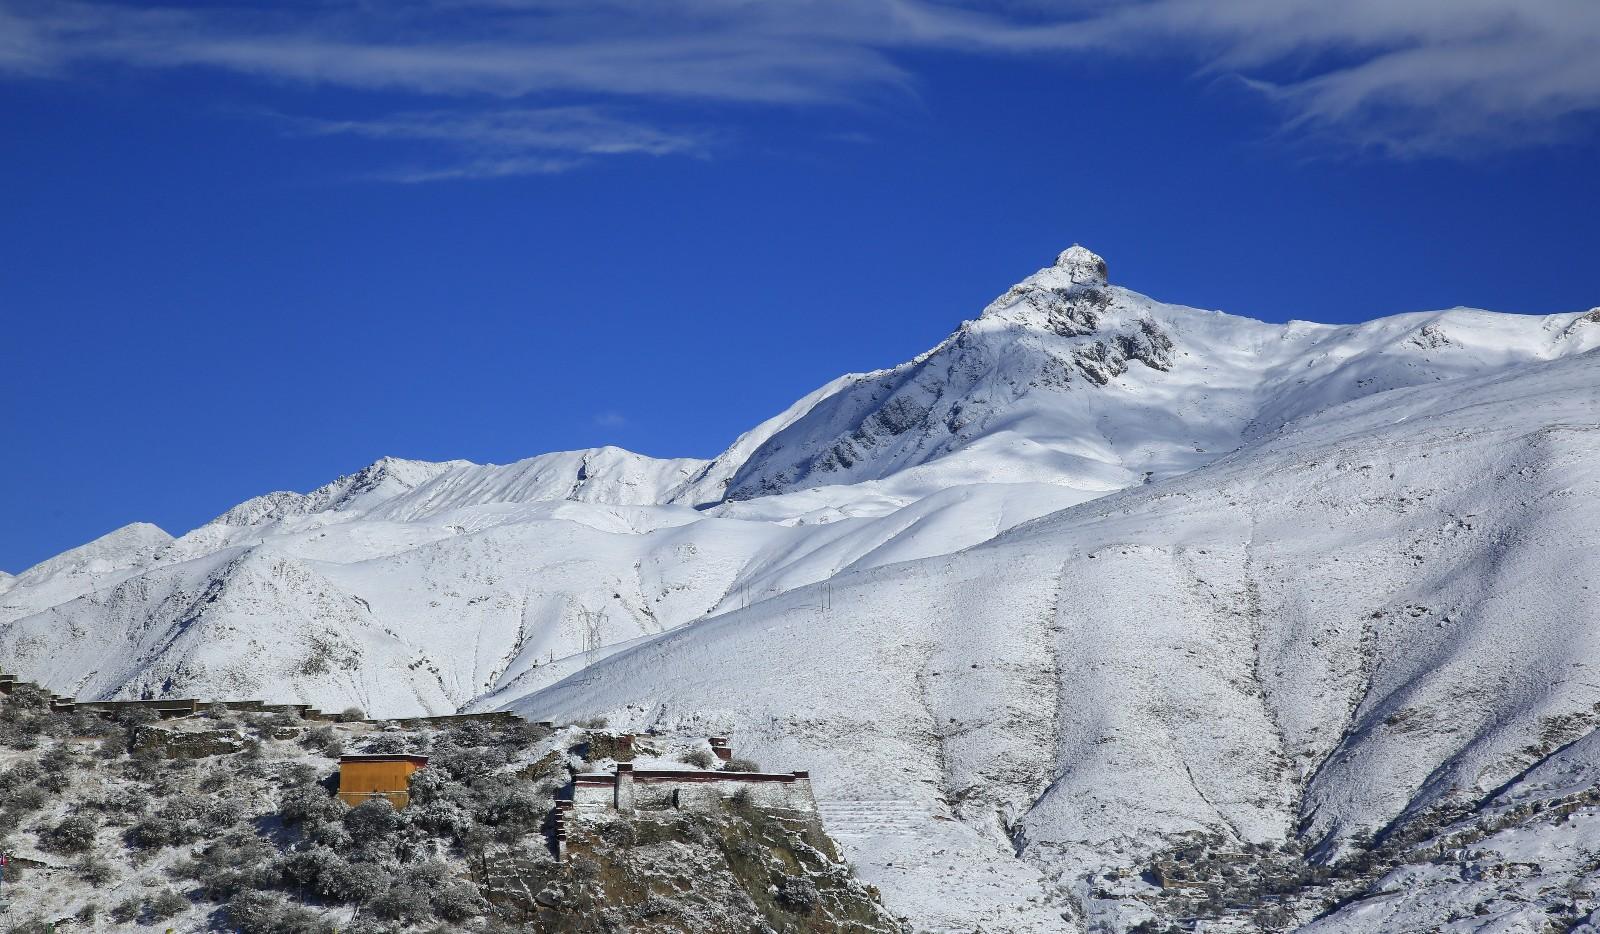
(1362, 628)
(419, 586)
(1093, 576)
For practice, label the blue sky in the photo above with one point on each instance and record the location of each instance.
(250, 248)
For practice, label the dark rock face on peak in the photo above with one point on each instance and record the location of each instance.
(1068, 312)
(1105, 360)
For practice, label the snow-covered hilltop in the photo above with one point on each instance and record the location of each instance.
(1093, 576)
(418, 586)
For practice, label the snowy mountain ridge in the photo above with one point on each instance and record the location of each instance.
(1065, 388)
(1119, 574)
(1349, 646)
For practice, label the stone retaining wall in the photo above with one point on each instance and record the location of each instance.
(628, 789)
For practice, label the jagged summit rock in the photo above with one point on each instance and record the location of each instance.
(1082, 265)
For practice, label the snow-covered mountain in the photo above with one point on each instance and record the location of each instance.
(412, 586)
(1369, 625)
(1094, 573)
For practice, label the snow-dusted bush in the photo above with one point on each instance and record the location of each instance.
(157, 831)
(525, 733)
(323, 740)
(222, 715)
(143, 765)
(237, 863)
(798, 894)
(82, 723)
(440, 806)
(455, 900)
(470, 733)
(269, 913)
(310, 804)
(387, 742)
(317, 738)
(700, 759)
(96, 872)
(403, 903)
(466, 763)
(329, 875)
(117, 807)
(127, 910)
(373, 821)
(184, 819)
(737, 764)
(26, 799)
(131, 718)
(503, 802)
(23, 773)
(21, 721)
(74, 834)
(57, 759)
(166, 904)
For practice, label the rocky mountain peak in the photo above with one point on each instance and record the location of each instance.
(1082, 266)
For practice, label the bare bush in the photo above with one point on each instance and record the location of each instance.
(128, 910)
(96, 872)
(167, 904)
(269, 913)
(798, 895)
(73, 834)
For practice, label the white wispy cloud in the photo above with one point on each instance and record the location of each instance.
(509, 141)
(1405, 77)
(1402, 77)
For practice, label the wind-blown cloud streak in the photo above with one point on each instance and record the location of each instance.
(1407, 78)
(509, 141)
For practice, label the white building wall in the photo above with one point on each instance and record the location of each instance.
(588, 797)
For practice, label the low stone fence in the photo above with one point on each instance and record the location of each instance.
(629, 789)
(169, 707)
(502, 717)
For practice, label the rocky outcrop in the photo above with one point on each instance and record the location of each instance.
(1104, 360)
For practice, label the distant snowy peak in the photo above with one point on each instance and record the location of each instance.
(127, 547)
(408, 490)
(606, 475)
(384, 479)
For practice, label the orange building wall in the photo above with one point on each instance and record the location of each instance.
(359, 781)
